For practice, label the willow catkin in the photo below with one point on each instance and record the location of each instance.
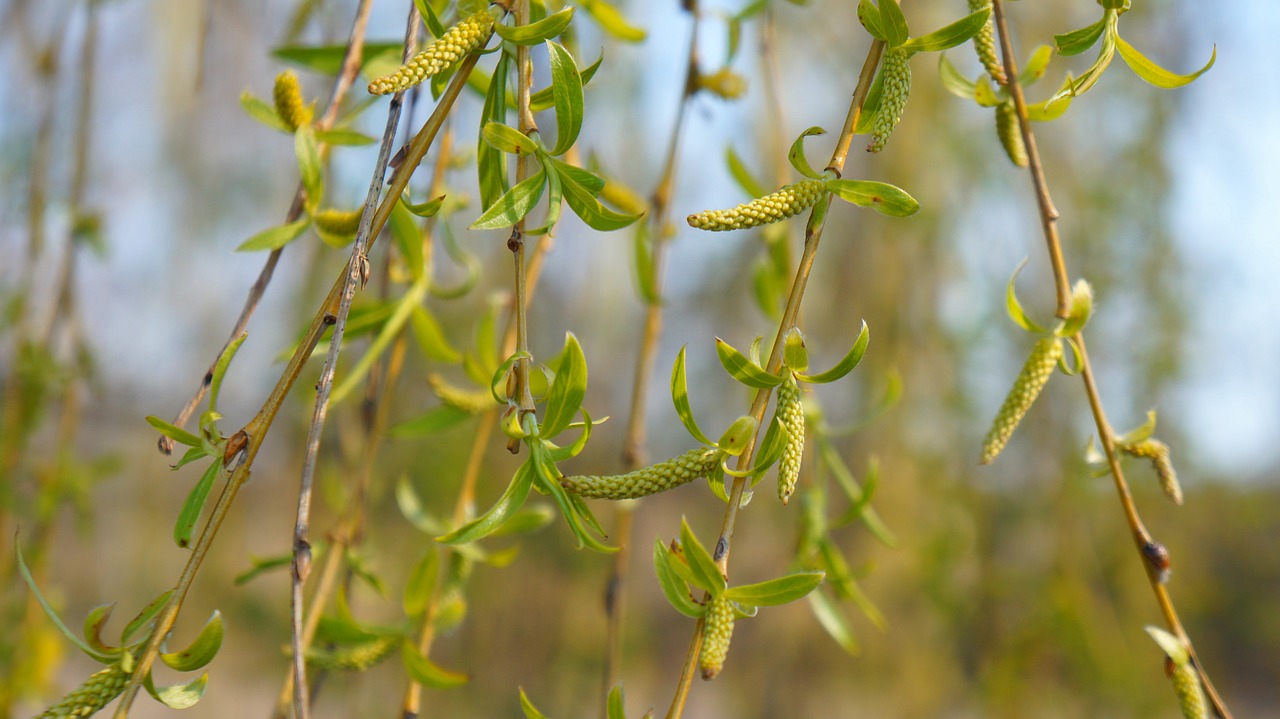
(89, 698)
(985, 44)
(893, 99)
(443, 52)
(655, 478)
(1186, 685)
(356, 657)
(287, 94)
(786, 202)
(724, 83)
(338, 222)
(1010, 133)
(717, 630)
(1035, 373)
(1158, 453)
(791, 416)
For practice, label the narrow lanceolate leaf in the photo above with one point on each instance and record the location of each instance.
(649, 480)
(536, 32)
(680, 398)
(1158, 453)
(513, 205)
(897, 88)
(791, 416)
(1035, 373)
(882, 197)
(276, 237)
(427, 673)
(948, 37)
(741, 368)
(567, 390)
(1155, 74)
(342, 223)
(566, 90)
(469, 401)
(290, 108)
(776, 591)
(786, 202)
(193, 506)
(443, 53)
(202, 649)
(89, 698)
(1010, 133)
(674, 588)
(846, 364)
(717, 630)
(985, 44)
(497, 515)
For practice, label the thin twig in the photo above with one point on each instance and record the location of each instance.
(1106, 435)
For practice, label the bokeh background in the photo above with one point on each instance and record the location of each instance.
(1014, 592)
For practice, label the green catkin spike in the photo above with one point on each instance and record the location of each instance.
(717, 630)
(443, 52)
(897, 88)
(293, 112)
(1186, 684)
(985, 43)
(89, 698)
(338, 222)
(1010, 133)
(1035, 373)
(357, 657)
(791, 414)
(790, 200)
(458, 398)
(1158, 453)
(649, 480)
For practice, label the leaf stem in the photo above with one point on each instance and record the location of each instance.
(1106, 435)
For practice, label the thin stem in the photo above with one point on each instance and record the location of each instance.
(516, 242)
(813, 235)
(1106, 435)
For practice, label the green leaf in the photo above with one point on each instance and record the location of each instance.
(262, 565)
(1036, 65)
(893, 23)
(1074, 87)
(262, 111)
(387, 334)
(132, 630)
(735, 439)
(646, 271)
(795, 356)
(776, 591)
(833, 621)
(1081, 309)
(346, 138)
(429, 17)
(566, 90)
(177, 696)
(421, 583)
(174, 432)
(527, 520)
(706, 575)
(1170, 645)
(871, 107)
(202, 649)
(1014, 307)
(426, 672)
(544, 99)
(1077, 41)
(193, 506)
(93, 624)
(582, 200)
(575, 512)
(567, 391)
(680, 398)
(1133, 436)
(555, 199)
(741, 368)
(536, 32)
(673, 587)
(574, 448)
(879, 196)
(615, 708)
(495, 516)
(308, 154)
(508, 139)
(1153, 73)
(49, 612)
(530, 711)
(846, 363)
(956, 84)
(869, 16)
(770, 451)
(220, 369)
(436, 419)
(514, 205)
(408, 239)
(737, 168)
(796, 154)
(491, 164)
(612, 21)
(948, 37)
(430, 337)
(423, 209)
(327, 59)
(276, 237)
(860, 498)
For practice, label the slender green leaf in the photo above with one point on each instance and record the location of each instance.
(262, 111)
(956, 84)
(193, 506)
(536, 32)
(879, 196)
(93, 624)
(871, 107)
(347, 138)
(846, 363)
(1077, 41)
(220, 368)
(174, 432)
(893, 23)
(615, 708)
(776, 591)
(276, 237)
(30, 581)
(612, 21)
(436, 419)
(735, 439)
(426, 672)
(833, 621)
(706, 574)
(178, 696)
(491, 164)
(308, 155)
(1036, 65)
(1133, 436)
(142, 622)
(675, 589)
(202, 649)
(430, 337)
(508, 139)
(548, 478)
(568, 389)
(423, 209)
(796, 153)
(741, 368)
(495, 516)
(680, 398)
(582, 200)
(530, 711)
(327, 59)
(387, 334)
(1153, 73)
(737, 168)
(869, 16)
(1014, 307)
(514, 205)
(544, 99)
(566, 90)
(948, 37)
(646, 275)
(555, 199)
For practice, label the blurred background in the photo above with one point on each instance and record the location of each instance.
(1014, 590)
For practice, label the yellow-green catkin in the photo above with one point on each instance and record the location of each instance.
(337, 222)
(356, 657)
(790, 200)
(791, 416)
(89, 698)
(717, 630)
(1186, 685)
(1010, 133)
(287, 94)
(1035, 373)
(443, 52)
(724, 83)
(655, 478)
(471, 402)
(985, 43)
(896, 88)
(1158, 453)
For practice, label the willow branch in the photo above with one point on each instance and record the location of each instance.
(1106, 435)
